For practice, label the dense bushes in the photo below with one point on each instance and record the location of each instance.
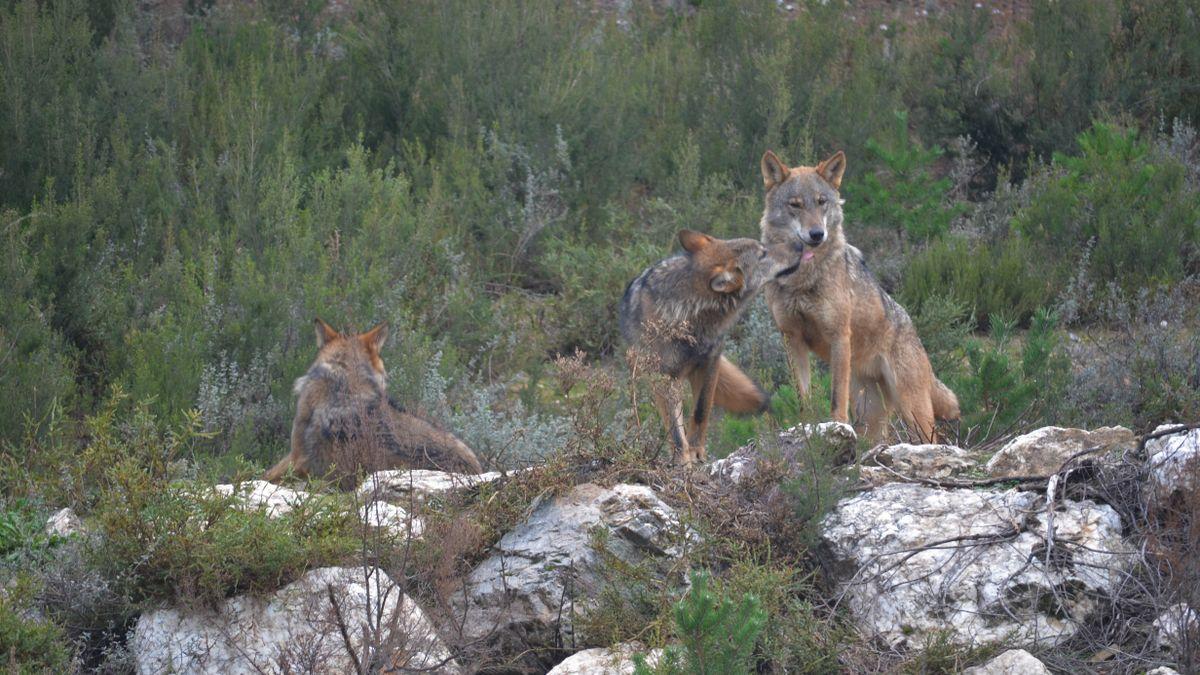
(180, 194)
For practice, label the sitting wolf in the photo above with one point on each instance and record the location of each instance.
(678, 312)
(346, 423)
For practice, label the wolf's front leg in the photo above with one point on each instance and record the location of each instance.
(797, 358)
(839, 370)
(670, 409)
(704, 388)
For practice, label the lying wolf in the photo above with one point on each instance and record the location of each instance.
(346, 423)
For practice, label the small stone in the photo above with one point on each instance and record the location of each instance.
(64, 523)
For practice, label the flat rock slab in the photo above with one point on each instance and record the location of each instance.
(929, 461)
(616, 660)
(915, 562)
(1043, 452)
(294, 630)
(1011, 662)
(404, 486)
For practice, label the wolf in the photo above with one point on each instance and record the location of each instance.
(678, 311)
(833, 306)
(346, 422)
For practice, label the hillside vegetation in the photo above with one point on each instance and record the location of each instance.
(185, 186)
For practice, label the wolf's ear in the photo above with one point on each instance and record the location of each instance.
(725, 282)
(833, 168)
(694, 242)
(325, 333)
(774, 171)
(376, 337)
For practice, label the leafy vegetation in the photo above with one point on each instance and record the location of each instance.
(181, 192)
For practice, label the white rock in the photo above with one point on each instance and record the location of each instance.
(741, 463)
(545, 574)
(64, 523)
(1011, 662)
(904, 580)
(891, 463)
(402, 486)
(617, 660)
(1175, 624)
(276, 499)
(392, 519)
(295, 629)
(1162, 670)
(1174, 462)
(1043, 451)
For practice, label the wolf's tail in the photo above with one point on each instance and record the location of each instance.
(419, 444)
(736, 392)
(945, 403)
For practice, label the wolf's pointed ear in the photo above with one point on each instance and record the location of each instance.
(694, 242)
(774, 171)
(833, 168)
(376, 337)
(325, 333)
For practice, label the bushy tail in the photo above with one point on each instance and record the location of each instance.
(736, 392)
(945, 403)
(276, 472)
(420, 445)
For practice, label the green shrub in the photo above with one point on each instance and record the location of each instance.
(718, 633)
(1132, 206)
(1001, 391)
(30, 645)
(1005, 278)
(903, 194)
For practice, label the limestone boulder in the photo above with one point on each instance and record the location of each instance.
(545, 575)
(1043, 451)
(299, 628)
(982, 567)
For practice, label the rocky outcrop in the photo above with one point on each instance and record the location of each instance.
(743, 462)
(406, 486)
(1043, 452)
(299, 628)
(616, 660)
(1011, 662)
(276, 500)
(898, 462)
(1174, 627)
(1174, 463)
(982, 567)
(545, 574)
(279, 501)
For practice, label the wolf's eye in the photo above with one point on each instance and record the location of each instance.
(821, 200)
(796, 203)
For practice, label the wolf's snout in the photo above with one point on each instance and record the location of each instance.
(815, 236)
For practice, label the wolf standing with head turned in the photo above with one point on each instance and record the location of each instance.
(833, 306)
(678, 311)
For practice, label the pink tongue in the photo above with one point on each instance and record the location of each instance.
(807, 255)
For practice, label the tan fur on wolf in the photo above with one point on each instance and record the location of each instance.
(678, 311)
(832, 306)
(345, 423)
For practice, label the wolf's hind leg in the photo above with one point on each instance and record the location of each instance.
(871, 411)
